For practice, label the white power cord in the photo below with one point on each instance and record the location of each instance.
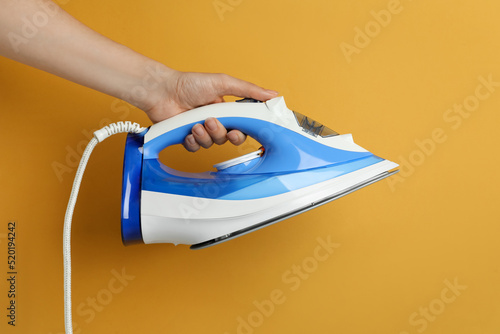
(99, 136)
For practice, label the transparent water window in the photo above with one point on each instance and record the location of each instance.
(312, 127)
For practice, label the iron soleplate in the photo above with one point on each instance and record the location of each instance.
(313, 205)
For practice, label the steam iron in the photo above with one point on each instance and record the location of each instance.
(302, 164)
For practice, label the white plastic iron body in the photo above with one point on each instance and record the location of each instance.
(302, 165)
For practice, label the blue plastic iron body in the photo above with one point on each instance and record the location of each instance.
(295, 158)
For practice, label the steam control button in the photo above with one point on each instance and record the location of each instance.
(248, 100)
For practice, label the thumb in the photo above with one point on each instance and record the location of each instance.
(237, 87)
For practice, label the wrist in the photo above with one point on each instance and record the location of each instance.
(149, 85)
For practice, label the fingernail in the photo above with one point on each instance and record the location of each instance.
(272, 92)
(232, 136)
(190, 140)
(211, 124)
(198, 130)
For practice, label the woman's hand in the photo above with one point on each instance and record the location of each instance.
(182, 91)
(67, 48)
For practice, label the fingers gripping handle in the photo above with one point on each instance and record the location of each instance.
(253, 119)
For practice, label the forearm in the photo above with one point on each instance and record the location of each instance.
(40, 34)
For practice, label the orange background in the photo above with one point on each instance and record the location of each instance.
(400, 243)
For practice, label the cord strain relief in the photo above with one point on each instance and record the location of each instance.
(119, 127)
